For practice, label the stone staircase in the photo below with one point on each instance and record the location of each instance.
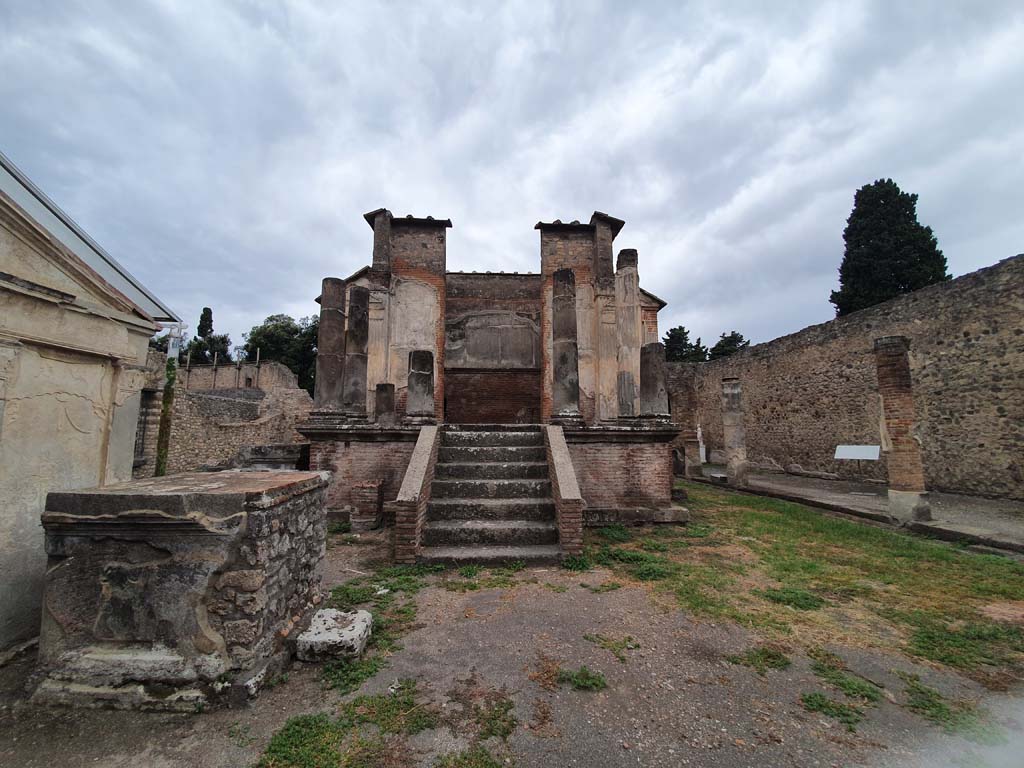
(490, 500)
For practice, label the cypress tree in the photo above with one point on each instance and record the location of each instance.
(888, 252)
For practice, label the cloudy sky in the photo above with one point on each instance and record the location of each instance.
(224, 152)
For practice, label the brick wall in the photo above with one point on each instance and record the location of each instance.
(623, 475)
(494, 397)
(353, 462)
(808, 392)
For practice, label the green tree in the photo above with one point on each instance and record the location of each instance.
(205, 328)
(679, 348)
(888, 252)
(207, 346)
(728, 344)
(282, 339)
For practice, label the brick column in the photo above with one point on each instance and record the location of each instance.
(908, 497)
(734, 434)
(330, 344)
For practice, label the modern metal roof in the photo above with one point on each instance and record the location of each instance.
(20, 188)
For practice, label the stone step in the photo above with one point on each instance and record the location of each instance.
(493, 427)
(492, 453)
(487, 470)
(490, 489)
(453, 533)
(482, 438)
(538, 554)
(491, 509)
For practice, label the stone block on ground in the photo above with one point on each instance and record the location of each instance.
(335, 634)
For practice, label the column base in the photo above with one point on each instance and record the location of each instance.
(910, 505)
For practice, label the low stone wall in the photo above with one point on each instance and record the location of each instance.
(175, 592)
(808, 392)
(624, 474)
(210, 429)
(357, 454)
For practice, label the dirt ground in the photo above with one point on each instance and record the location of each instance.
(675, 700)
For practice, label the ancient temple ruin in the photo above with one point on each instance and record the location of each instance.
(491, 415)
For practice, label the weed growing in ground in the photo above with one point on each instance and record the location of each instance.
(576, 563)
(583, 679)
(653, 545)
(846, 714)
(392, 618)
(495, 578)
(794, 597)
(496, 719)
(337, 528)
(616, 532)
(833, 671)
(964, 644)
(954, 717)
(608, 586)
(617, 647)
(346, 675)
(555, 587)
(313, 741)
(470, 571)
(761, 659)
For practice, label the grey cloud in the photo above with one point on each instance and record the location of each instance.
(226, 152)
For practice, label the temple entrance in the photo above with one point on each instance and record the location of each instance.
(492, 396)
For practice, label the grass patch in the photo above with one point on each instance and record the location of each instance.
(495, 578)
(761, 659)
(338, 528)
(583, 679)
(615, 532)
(831, 669)
(794, 597)
(387, 595)
(496, 719)
(963, 644)
(576, 563)
(317, 741)
(846, 714)
(608, 586)
(617, 647)
(474, 757)
(958, 717)
(773, 565)
(555, 587)
(653, 545)
(346, 675)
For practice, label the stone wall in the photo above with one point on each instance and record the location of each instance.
(209, 429)
(352, 461)
(266, 375)
(808, 392)
(171, 610)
